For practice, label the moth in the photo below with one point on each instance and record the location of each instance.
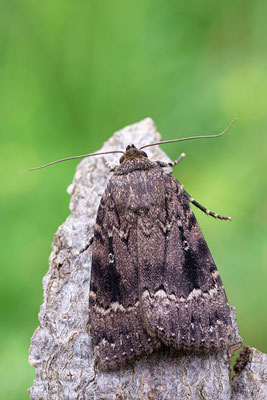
(153, 279)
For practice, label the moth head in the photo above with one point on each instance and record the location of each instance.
(132, 152)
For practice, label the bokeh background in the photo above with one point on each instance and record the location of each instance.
(72, 73)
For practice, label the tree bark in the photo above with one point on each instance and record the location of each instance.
(250, 381)
(61, 349)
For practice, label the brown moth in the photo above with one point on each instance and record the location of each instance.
(153, 278)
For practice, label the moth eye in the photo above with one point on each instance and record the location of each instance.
(143, 154)
(122, 159)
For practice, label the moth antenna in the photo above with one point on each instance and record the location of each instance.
(192, 137)
(73, 158)
(118, 151)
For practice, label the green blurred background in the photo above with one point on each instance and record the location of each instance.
(72, 73)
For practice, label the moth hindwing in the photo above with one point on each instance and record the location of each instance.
(153, 280)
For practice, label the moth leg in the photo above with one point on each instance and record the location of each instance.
(111, 166)
(163, 164)
(204, 209)
(87, 246)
